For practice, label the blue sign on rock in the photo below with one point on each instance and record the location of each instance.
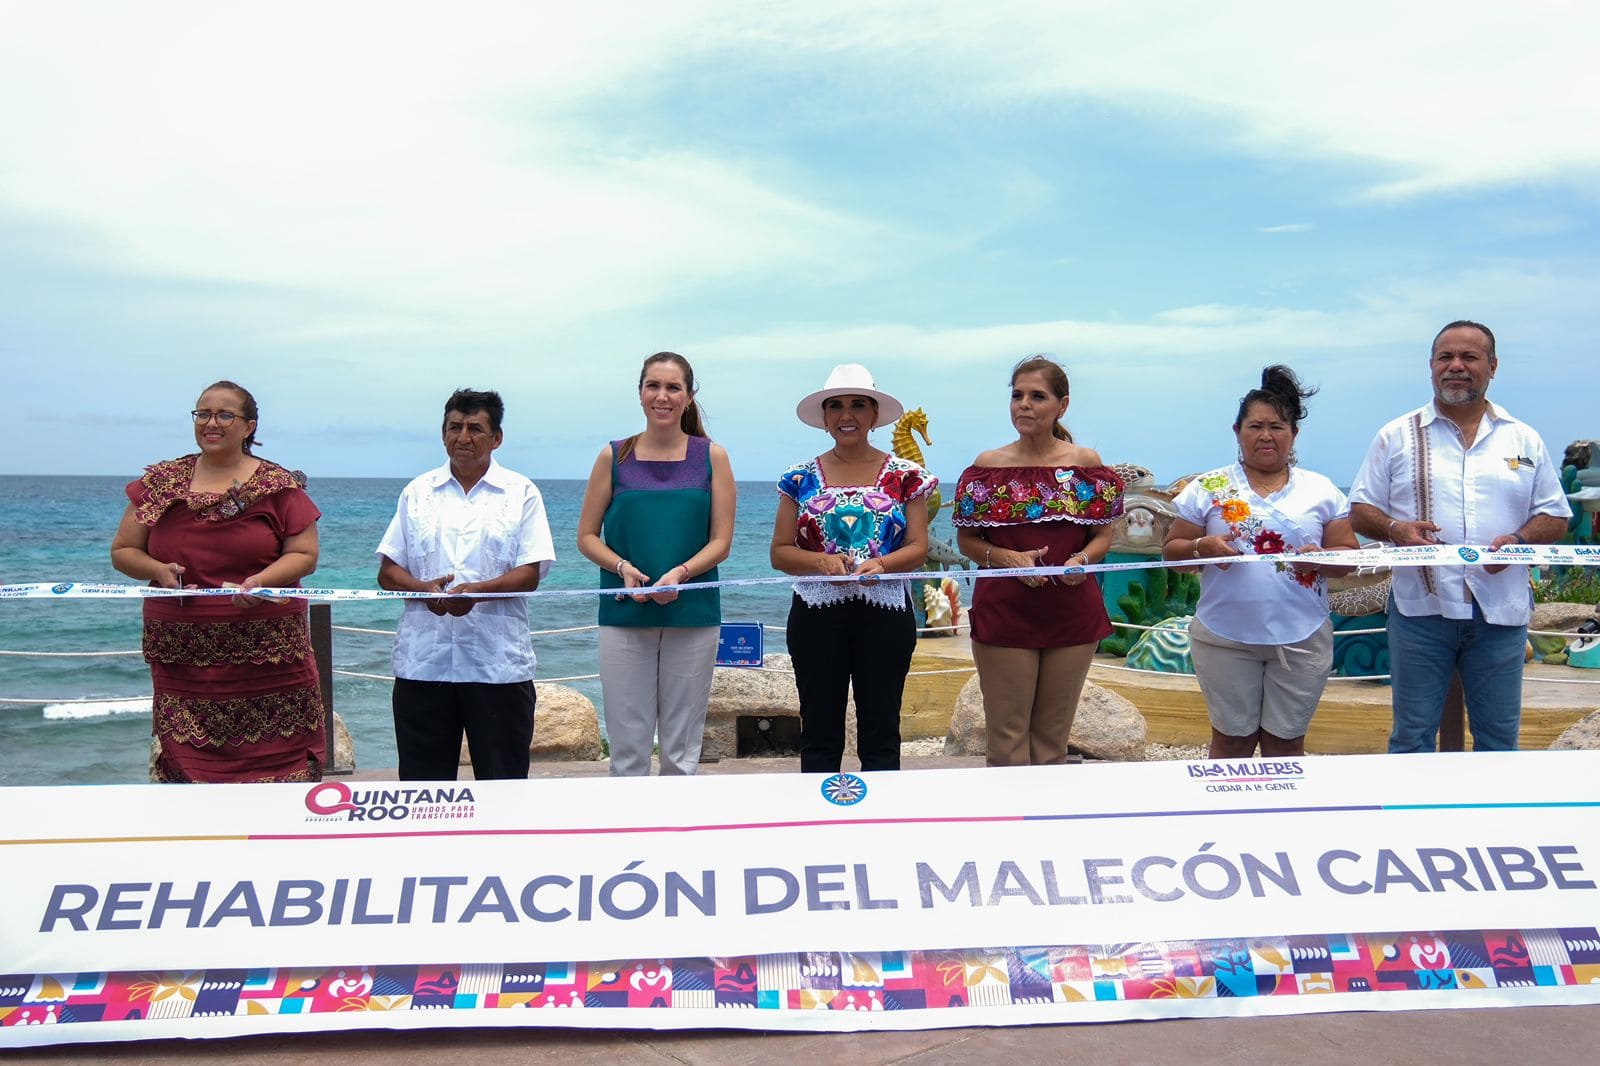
(740, 644)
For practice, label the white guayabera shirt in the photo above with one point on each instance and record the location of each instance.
(1417, 470)
(438, 529)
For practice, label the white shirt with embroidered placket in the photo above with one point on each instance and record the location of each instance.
(1473, 495)
(439, 529)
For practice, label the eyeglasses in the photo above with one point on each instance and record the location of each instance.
(224, 418)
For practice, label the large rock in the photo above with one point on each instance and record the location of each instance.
(344, 749)
(966, 736)
(1561, 617)
(1582, 735)
(740, 691)
(566, 727)
(1106, 726)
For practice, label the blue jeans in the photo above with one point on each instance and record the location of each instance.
(1425, 650)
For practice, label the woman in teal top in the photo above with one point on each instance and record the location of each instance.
(658, 513)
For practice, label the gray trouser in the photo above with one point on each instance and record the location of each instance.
(656, 681)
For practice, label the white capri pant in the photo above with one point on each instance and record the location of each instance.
(1251, 687)
(656, 681)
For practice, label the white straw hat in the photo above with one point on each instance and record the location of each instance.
(849, 379)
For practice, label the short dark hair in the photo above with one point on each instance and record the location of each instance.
(471, 401)
(247, 407)
(1466, 323)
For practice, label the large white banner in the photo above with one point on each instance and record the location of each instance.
(901, 869)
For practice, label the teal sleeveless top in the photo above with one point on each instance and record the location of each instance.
(660, 515)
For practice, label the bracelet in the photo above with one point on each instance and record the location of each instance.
(1520, 538)
(1196, 545)
(987, 554)
(1390, 531)
(620, 564)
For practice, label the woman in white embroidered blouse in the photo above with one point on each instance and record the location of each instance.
(853, 511)
(1261, 639)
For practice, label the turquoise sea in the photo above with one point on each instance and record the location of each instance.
(59, 529)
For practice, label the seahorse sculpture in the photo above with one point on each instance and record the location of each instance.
(905, 446)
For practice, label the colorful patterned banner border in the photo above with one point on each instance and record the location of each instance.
(1178, 979)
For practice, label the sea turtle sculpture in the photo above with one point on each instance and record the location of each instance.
(1147, 511)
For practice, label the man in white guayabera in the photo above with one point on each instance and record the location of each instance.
(470, 526)
(1458, 470)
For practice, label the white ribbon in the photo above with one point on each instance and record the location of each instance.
(1365, 558)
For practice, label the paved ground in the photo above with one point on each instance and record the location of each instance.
(1525, 1036)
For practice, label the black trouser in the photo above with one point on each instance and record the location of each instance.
(833, 647)
(430, 716)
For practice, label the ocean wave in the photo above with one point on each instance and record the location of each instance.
(58, 712)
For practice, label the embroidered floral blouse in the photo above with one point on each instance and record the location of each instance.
(861, 521)
(1025, 508)
(1256, 603)
(1012, 495)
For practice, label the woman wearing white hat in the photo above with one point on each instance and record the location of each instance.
(853, 511)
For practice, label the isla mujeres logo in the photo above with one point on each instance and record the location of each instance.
(1469, 554)
(1267, 775)
(844, 790)
(61, 589)
(338, 802)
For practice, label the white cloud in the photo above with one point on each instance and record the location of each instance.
(417, 165)
(1288, 227)
(1162, 390)
(433, 171)
(1438, 95)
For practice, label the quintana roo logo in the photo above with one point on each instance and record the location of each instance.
(1469, 554)
(844, 790)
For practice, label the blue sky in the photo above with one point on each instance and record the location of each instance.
(355, 208)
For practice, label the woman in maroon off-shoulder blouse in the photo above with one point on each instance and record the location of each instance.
(237, 697)
(1041, 500)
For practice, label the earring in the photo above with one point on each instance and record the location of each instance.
(1293, 458)
(1241, 456)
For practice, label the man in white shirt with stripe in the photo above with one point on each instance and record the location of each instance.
(462, 665)
(1459, 470)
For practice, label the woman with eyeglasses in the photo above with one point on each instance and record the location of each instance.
(854, 511)
(237, 697)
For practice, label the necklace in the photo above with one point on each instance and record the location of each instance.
(1262, 487)
(847, 462)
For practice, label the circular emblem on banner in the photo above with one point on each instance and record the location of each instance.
(61, 588)
(1468, 554)
(844, 790)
